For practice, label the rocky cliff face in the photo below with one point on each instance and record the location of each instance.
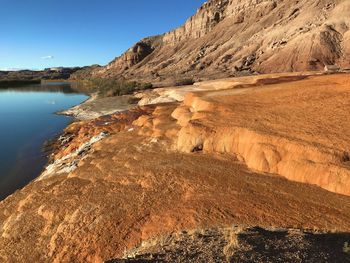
(206, 18)
(234, 37)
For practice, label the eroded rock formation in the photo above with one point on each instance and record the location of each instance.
(270, 129)
(184, 165)
(226, 38)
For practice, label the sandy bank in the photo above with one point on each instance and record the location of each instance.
(95, 107)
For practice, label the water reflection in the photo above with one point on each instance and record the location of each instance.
(27, 120)
(63, 87)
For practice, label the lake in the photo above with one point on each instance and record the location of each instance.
(27, 120)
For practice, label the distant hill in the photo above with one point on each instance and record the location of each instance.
(46, 74)
(236, 37)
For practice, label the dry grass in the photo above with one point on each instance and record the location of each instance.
(231, 236)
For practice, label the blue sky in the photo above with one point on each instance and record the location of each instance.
(37, 34)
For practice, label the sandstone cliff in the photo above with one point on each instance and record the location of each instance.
(227, 37)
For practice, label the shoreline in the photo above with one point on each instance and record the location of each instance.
(95, 107)
(90, 110)
(73, 111)
(41, 147)
(5, 84)
(172, 167)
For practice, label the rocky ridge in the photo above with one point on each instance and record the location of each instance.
(226, 38)
(59, 73)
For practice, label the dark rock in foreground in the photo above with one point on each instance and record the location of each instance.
(248, 245)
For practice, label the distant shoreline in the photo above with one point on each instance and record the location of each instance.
(17, 83)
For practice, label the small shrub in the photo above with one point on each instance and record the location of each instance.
(231, 236)
(133, 100)
(184, 82)
(346, 248)
(146, 85)
(114, 87)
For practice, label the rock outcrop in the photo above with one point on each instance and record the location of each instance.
(266, 126)
(206, 160)
(227, 38)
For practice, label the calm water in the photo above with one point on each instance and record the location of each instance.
(27, 120)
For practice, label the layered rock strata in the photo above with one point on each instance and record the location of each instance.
(295, 129)
(227, 38)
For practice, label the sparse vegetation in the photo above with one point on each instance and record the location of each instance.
(114, 87)
(346, 248)
(231, 236)
(34, 75)
(184, 82)
(133, 100)
(17, 83)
